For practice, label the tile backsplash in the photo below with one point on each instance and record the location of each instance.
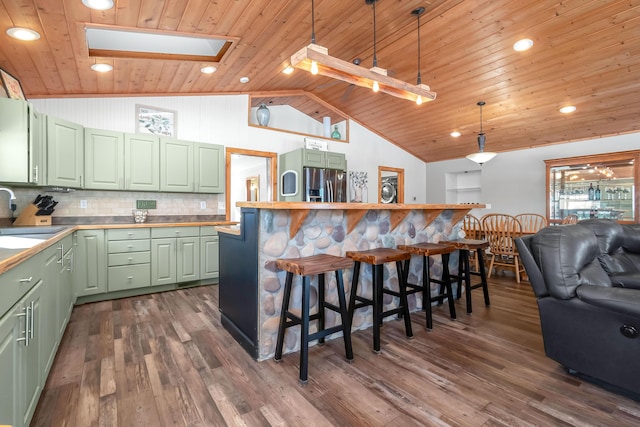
(116, 203)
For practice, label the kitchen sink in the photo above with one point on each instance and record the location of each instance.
(16, 242)
(17, 230)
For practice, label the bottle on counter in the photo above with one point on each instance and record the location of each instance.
(597, 193)
(591, 191)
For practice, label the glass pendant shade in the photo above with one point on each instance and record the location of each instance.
(263, 115)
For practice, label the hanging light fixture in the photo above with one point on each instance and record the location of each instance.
(375, 68)
(316, 60)
(419, 11)
(481, 156)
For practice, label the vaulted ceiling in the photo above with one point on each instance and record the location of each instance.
(586, 53)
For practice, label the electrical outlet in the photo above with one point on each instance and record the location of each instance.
(220, 206)
(203, 204)
(83, 204)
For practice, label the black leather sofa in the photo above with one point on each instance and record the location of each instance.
(586, 279)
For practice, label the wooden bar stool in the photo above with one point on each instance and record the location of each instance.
(305, 267)
(427, 250)
(377, 258)
(465, 247)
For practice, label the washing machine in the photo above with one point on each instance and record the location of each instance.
(389, 190)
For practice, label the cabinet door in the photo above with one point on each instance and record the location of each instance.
(11, 326)
(65, 153)
(209, 263)
(103, 159)
(30, 373)
(336, 161)
(314, 158)
(51, 307)
(142, 162)
(176, 165)
(90, 272)
(14, 141)
(209, 168)
(188, 259)
(66, 299)
(163, 261)
(37, 147)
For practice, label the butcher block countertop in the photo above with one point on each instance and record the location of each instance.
(9, 258)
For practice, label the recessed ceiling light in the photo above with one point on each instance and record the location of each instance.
(288, 69)
(209, 69)
(568, 109)
(102, 68)
(455, 134)
(23, 34)
(244, 79)
(98, 4)
(522, 45)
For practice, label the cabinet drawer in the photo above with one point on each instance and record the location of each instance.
(129, 258)
(161, 233)
(208, 231)
(129, 277)
(128, 233)
(18, 281)
(128, 246)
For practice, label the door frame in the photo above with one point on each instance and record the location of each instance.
(273, 170)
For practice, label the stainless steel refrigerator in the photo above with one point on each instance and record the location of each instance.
(324, 185)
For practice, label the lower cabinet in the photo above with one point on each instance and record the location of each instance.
(129, 258)
(90, 263)
(209, 252)
(175, 255)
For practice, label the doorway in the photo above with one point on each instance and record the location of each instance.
(243, 169)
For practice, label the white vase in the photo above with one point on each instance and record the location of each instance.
(263, 115)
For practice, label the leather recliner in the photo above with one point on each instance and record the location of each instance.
(588, 325)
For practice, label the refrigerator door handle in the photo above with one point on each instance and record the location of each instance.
(329, 191)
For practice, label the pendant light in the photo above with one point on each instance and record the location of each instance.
(376, 86)
(481, 156)
(419, 11)
(314, 64)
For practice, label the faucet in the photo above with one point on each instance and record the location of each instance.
(12, 198)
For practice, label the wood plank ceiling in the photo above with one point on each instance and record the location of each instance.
(586, 53)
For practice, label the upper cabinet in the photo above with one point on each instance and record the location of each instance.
(598, 186)
(21, 143)
(209, 167)
(187, 166)
(298, 112)
(119, 161)
(65, 153)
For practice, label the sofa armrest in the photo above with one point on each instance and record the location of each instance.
(619, 300)
(626, 280)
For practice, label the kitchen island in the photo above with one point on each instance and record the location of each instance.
(251, 287)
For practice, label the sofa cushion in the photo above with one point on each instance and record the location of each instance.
(568, 257)
(613, 240)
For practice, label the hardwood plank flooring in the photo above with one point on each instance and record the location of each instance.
(165, 360)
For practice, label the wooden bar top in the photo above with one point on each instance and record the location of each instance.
(356, 206)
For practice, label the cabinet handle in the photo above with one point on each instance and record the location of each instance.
(27, 280)
(26, 326)
(129, 259)
(35, 173)
(130, 246)
(61, 249)
(129, 234)
(130, 277)
(31, 328)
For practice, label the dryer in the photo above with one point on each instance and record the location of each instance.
(389, 190)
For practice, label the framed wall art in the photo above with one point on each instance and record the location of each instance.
(156, 121)
(11, 86)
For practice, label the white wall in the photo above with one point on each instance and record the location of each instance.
(222, 119)
(514, 182)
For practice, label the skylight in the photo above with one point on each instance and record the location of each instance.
(128, 43)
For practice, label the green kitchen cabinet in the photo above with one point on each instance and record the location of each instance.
(11, 330)
(175, 255)
(306, 157)
(209, 168)
(90, 267)
(141, 162)
(65, 153)
(103, 159)
(209, 253)
(176, 165)
(21, 143)
(129, 258)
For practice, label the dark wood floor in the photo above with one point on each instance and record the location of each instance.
(164, 359)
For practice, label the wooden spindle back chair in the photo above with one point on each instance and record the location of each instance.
(501, 230)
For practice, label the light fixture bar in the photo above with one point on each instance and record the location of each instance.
(348, 72)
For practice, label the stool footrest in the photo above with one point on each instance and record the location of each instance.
(325, 332)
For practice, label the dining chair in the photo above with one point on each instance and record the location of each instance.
(472, 228)
(501, 230)
(531, 223)
(570, 219)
